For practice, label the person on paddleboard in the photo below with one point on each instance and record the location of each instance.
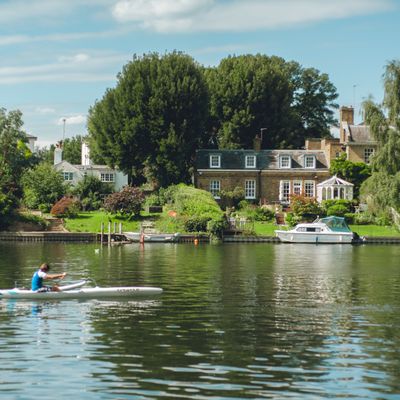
(42, 274)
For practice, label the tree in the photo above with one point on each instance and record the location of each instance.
(152, 122)
(353, 172)
(90, 191)
(15, 156)
(42, 186)
(251, 92)
(126, 202)
(72, 149)
(382, 189)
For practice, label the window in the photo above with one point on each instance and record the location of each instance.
(285, 162)
(250, 161)
(250, 189)
(215, 188)
(309, 161)
(107, 177)
(368, 152)
(215, 161)
(297, 186)
(309, 188)
(68, 176)
(284, 191)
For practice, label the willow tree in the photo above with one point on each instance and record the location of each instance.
(151, 123)
(382, 189)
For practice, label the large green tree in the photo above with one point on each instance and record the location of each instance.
(72, 149)
(151, 123)
(382, 189)
(252, 92)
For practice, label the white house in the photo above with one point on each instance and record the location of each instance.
(73, 173)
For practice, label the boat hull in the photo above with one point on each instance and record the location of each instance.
(312, 237)
(152, 237)
(82, 293)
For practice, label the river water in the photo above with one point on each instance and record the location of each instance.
(247, 321)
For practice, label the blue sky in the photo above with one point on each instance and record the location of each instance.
(59, 56)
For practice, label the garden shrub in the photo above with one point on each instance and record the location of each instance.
(126, 202)
(65, 207)
(231, 198)
(339, 210)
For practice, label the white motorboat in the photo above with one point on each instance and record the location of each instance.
(324, 230)
(77, 291)
(152, 237)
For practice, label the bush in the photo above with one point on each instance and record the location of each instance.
(126, 202)
(91, 191)
(339, 210)
(350, 218)
(216, 227)
(196, 224)
(231, 198)
(66, 207)
(292, 219)
(302, 205)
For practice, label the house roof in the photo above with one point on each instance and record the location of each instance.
(334, 181)
(266, 159)
(358, 133)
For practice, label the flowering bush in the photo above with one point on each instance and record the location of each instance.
(126, 202)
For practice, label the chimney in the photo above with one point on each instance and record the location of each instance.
(58, 153)
(257, 143)
(85, 154)
(346, 118)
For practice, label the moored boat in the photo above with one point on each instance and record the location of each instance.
(324, 230)
(152, 237)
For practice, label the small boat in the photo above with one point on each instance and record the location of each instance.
(323, 230)
(152, 237)
(77, 291)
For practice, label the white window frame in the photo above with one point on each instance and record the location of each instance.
(68, 176)
(307, 158)
(368, 152)
(250, 161)
(215, 161)
(215, 188)
(284, 191)
(108, 177)
(307, 186)
(285, 161)
(297, 187)
(250, 189)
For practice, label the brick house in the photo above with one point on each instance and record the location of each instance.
(271, 176)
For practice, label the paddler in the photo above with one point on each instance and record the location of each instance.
(42, 274)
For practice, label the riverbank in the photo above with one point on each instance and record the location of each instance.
(116, 238)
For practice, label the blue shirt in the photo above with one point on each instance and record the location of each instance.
(37, 280)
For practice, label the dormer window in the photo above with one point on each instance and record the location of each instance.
(309, 161)
(215, 161)
(285, 161)
(250, 162)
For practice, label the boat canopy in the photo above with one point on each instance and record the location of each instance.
(336, 224)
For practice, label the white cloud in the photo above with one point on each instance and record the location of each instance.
(72, 120)
(44, 110)
(80, 67)
(238, 15)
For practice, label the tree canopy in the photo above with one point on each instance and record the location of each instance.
(152, 122)
(72, 149)
(252, 92)
(382, 189)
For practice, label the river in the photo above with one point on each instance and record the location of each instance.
(248, 321)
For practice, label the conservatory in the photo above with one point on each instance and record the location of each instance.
(334, 188)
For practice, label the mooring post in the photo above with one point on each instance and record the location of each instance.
(109, 233)
(120, 228)
(102, 232)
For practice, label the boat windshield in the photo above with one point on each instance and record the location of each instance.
(336, 224)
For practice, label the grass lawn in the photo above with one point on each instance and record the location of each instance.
(91, 222)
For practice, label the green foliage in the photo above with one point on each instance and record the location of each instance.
(91, 191)
(232, 198)
(7, 206)
(292, 219)
(305, 206)
(353, 172)
(194, 207)
(126, 202)
(72, 149)
(338, 207)
(255, 213)
(42, 186)
(253, 91)
(160, 102)
(217, 226)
